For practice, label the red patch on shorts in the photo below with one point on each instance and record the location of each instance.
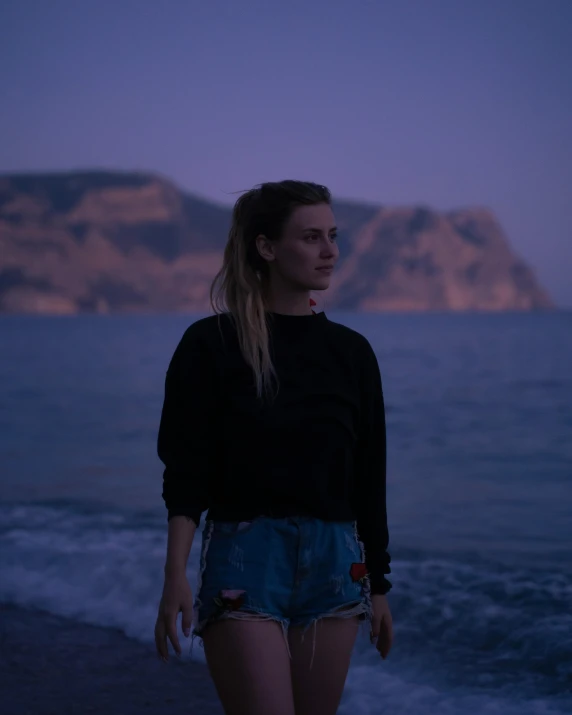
(230, 600)
(358, 571)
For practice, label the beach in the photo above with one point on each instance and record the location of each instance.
(479, 491)
(51, 665)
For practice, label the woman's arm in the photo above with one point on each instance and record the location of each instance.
(186, 441)
(370, 476)
(180, 535)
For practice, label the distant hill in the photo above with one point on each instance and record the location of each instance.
(130, 242)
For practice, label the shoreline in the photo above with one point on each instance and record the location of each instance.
(53, 665)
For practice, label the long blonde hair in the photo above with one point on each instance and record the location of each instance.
(240, 286)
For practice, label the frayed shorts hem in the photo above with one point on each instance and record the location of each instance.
(354, 609)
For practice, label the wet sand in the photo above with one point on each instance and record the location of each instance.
(51, 665)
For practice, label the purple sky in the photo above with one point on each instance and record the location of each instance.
(447, 103)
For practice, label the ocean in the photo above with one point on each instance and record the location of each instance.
(479, 419)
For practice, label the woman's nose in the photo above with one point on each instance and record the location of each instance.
(330, 250)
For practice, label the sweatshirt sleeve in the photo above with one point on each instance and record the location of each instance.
(370, 485)
(187, 429)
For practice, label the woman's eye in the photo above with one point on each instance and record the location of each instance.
(313, 237)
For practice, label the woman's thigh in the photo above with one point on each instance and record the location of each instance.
(331, 598)
(319, 668)
(250, 667)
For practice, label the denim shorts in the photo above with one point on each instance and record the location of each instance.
(293, 570)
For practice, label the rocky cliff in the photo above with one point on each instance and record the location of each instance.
(122, 242)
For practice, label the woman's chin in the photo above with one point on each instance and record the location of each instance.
(321, 283)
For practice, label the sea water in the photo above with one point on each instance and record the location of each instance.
(479, 421)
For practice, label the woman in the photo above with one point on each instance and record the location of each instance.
(273, 421)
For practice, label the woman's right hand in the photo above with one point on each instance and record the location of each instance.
(177, 596)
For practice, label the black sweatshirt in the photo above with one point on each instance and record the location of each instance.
(318, 450)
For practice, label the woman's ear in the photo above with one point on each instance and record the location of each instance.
(265, 248)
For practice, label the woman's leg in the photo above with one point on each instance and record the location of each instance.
(318, 689)
(250, 666)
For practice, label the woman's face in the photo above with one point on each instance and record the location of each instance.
(304, 256)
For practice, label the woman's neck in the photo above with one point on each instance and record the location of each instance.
(290, 305)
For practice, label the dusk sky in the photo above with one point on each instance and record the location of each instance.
(446, 103)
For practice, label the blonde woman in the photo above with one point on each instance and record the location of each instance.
(273, 422)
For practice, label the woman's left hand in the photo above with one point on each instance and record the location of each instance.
(381, 624)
